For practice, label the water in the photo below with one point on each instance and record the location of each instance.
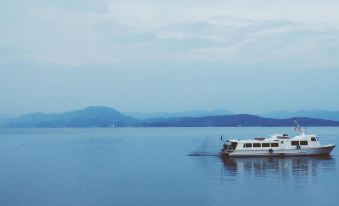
(151, 166)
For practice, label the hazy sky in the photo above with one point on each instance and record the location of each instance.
(150, 55)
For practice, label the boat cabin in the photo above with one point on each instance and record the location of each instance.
(276, 141)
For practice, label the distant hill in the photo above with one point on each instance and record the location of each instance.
(107, 117)
(88, 117)
(244, 120)
(319, 114)
(194, 113)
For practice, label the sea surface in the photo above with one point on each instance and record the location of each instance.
(158, 166)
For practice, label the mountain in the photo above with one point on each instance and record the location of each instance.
(319, 114)
(193, 113)
(88, 117)
(106, 117)
(235, 120)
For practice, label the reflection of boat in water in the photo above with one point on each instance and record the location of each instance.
(277, 145)
(278, 165)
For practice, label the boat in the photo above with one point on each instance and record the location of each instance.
(277, 145)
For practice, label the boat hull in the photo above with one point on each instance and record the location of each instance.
(324, 150)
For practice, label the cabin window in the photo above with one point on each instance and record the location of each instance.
(265, 144)
(295, 143)
(256, 145)
(303, 143)
(275, 144)
(313, 139)
(248, 145)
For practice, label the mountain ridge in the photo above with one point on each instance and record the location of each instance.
(93, 116)
(101, 116)
(243, 120)
(315, 113)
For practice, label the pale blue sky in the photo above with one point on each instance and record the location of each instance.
(246, 56)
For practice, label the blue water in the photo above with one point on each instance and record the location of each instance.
(151, 166)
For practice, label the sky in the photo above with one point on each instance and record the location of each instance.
(244, 56)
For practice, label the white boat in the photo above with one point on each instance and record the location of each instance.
(277, 145)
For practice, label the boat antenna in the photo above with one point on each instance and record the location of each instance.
(298, 128)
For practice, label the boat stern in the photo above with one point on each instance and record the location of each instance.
(228, 147)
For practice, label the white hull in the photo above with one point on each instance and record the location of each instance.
(323, 150)
(277, 145)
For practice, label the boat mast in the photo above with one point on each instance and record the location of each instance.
(298, 128)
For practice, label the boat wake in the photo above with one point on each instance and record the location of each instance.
(203, 154)
(203, 149)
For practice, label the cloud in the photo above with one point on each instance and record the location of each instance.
(149, 14)
(230, 32)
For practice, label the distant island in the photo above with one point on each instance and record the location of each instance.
(107, 117)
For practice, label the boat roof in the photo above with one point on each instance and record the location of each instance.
(274, 137)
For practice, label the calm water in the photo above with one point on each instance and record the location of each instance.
(150, 166)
